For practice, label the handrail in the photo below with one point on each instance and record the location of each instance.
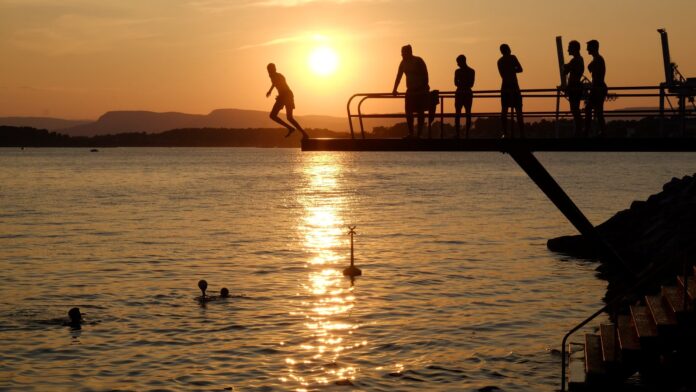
(646, 276)
(660, 92)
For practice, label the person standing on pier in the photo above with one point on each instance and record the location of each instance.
(464, 80)
(573, 71)
(285, 99)
(598, 91)
(417, 87)
(510, 93)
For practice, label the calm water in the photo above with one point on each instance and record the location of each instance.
(459, 291)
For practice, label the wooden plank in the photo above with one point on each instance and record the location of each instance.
(576, 367)
(674, 298)
(609, 350)
(662, 314)
(503, 145)
(628, 338)
(645, 327)
(690, 285)
(594, 365)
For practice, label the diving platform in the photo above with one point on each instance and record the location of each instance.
(505, 145)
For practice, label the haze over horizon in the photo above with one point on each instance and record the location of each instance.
(79, 58)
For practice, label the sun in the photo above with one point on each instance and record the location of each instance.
(323, 61)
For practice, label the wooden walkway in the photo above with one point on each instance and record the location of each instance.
(504, 145)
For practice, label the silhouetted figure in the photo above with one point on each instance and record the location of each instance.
(510, 94)
(464, 80)
(75, 317)
(285, 99)
(203, 285)
(224, 292)
(598, 91)
(573, 71)
(417, 88)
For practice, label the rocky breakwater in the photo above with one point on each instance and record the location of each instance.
(658, 230)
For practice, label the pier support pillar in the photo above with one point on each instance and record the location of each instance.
(541, 177)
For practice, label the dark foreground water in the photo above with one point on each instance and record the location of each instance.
(458, 293)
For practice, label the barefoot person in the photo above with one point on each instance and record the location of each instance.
(598, 91)
(573, 71)
(417, 88)
(285, 99)
(510, 94)
(463, 97)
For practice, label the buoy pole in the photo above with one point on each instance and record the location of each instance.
(352, 271)
(351, 232)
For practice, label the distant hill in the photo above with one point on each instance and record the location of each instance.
(47, 123)
(152, 122)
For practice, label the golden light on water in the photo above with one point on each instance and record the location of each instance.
(329, 295)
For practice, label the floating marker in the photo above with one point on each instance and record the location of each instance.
(352, 270)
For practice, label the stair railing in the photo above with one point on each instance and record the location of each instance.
(648, 275)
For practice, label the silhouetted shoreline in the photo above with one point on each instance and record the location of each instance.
(194, 137)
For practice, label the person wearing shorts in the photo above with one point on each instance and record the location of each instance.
(417, 88)
(463, 97)
(510, 93)
(285, 99)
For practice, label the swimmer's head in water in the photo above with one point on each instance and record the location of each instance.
(75, 315)
(224, 293)
(203, 285)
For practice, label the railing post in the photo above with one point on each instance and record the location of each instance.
(442, 117)
(537, 173)
(558, 109)
(662, 110)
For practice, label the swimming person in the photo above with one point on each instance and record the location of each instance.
(203, 285)
(417, 88)
(510, 94)
(573, 71)
(285, 99)
(598, 91)
(224, 293)
(75, 318)
(464, 80)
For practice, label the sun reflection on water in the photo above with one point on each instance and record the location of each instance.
(328, 296)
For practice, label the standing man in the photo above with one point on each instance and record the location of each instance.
(598, 91)
(417, 88)
(464, 80)
(285, 99)
(510, 94)
(573, 71)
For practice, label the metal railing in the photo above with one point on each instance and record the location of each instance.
(664, 108)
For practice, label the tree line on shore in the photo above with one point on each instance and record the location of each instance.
(485, 127)
(489, 127)
(194, 137)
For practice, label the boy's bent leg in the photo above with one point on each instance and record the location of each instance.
(274, 117)
(294, 122)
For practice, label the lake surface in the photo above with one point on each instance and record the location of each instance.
(459, 291)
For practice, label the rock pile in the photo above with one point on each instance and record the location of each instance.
(660, 229)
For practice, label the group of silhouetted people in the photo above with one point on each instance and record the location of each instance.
(75, 319)
(419, 98)
(203, 286)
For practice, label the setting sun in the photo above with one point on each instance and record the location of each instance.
(323, 61)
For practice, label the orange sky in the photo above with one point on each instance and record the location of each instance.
(80, 58)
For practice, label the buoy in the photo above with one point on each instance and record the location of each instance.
(352, 270)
